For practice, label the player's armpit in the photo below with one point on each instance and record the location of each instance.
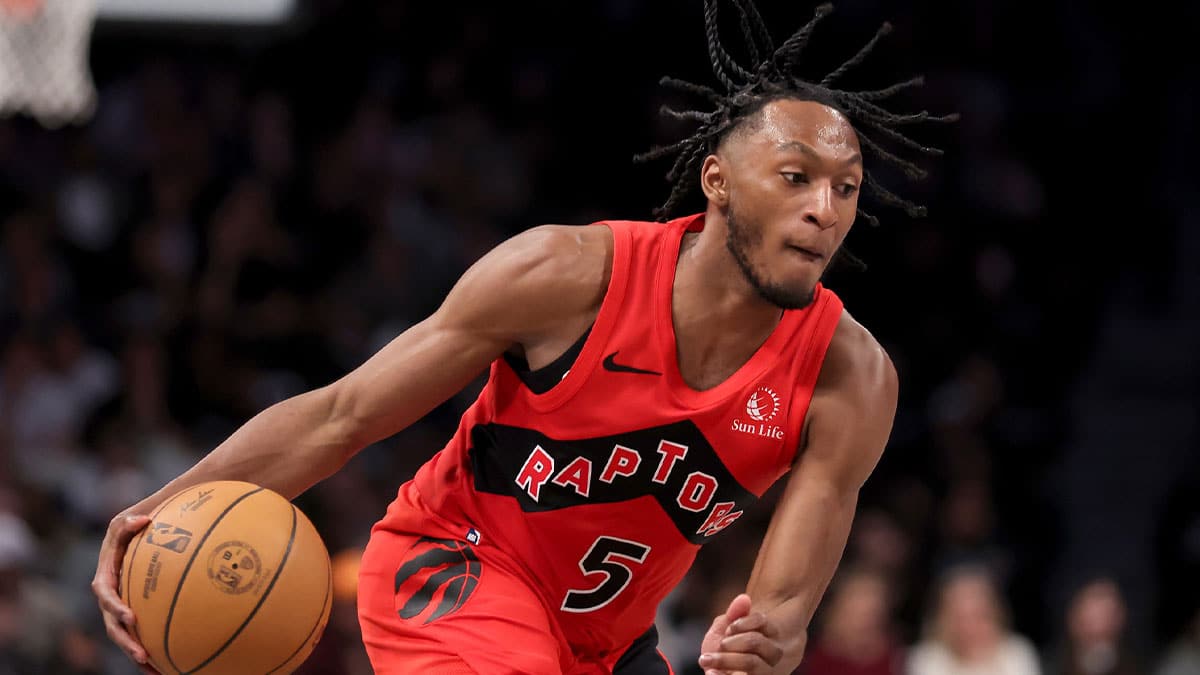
(848, 424)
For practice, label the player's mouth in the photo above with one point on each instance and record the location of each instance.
(807, 253)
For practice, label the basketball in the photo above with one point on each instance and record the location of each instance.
(228, 577)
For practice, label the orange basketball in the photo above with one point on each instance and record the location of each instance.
(229, 577)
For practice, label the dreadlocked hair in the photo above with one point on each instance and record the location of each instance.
(746, 90)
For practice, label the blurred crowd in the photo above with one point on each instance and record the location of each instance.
(249, 217)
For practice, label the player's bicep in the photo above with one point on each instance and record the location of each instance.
(848, 432)
(851, 413)
(848, 426)
(414, 373)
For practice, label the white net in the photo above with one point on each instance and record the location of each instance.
(44, 69)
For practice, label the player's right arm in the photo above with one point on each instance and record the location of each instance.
(529, 293)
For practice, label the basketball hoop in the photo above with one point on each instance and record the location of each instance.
(44, 68)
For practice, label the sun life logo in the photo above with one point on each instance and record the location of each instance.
(762, 404)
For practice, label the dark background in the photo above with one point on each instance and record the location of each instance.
(252, 212)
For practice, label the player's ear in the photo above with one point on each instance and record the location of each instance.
(713, 181)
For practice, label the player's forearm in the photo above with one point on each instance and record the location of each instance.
(287, 448)
(789, 584)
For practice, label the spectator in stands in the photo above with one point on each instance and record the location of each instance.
(855, 634)
(1095, 642)
(968, 633)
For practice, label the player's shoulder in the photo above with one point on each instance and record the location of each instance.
(533, 281)
(566, 256)
(541, 274)
(856, 362)
(567, 243)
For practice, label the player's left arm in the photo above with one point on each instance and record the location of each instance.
(848, 424)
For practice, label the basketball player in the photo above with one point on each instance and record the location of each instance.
(648, 381)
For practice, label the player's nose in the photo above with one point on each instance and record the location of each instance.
(820, 209)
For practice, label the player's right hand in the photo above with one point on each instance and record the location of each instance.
(740, 642)
(118, 618)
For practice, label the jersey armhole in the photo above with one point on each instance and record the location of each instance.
(548, 376)
(828, 317)
(610, 309)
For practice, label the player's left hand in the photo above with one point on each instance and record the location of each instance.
(741, 641)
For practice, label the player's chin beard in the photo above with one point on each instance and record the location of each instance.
(740, 239)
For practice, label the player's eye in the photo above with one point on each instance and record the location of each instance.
(795, 177)
(849, 189)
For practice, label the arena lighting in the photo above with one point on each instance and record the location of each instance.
(245, 12)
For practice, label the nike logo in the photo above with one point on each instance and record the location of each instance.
(610, 363)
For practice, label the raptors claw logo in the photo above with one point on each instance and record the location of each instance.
(444, 570)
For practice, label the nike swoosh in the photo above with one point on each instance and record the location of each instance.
(611, 364)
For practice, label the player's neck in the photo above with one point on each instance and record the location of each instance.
(710, 291)
(707, 276)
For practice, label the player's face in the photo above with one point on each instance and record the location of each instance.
(793, 178)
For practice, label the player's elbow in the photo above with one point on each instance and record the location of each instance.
(343, 426)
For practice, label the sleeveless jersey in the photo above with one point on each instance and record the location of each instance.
(600, 491)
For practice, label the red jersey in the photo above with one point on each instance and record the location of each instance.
(601, 490)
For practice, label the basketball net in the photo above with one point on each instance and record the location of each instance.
(44, 68)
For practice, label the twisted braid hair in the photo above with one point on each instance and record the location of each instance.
(745, 90)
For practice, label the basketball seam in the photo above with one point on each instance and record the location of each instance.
(328, 602)
(287, 552)
(187, 568)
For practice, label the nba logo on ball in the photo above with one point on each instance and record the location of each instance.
(762, 404)
(165, 535)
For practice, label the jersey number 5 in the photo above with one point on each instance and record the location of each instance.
(605, 557)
